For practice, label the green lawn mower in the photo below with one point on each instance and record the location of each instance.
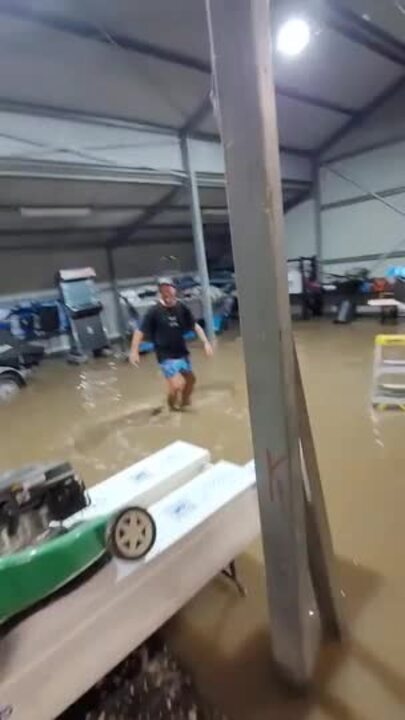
(41, 550)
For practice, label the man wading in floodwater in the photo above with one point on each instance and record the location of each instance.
(164, 325)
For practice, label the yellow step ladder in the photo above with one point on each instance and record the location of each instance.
(388, 390)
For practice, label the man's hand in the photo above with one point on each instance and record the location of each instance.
(208, 349)
(134, 358)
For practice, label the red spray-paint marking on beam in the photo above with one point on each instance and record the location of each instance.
(272, 465)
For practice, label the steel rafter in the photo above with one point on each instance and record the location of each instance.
(363, 115)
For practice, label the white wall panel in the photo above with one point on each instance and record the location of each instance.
(207, 156)
(356, 230)
(300, 230)
(377, 170)
(362, 229)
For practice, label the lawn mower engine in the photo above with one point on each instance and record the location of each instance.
(34, 496)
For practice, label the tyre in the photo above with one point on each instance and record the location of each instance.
(131, 533)
(10, 384)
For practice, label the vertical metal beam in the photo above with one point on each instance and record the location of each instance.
(317, 194)
(118, 308)
(198, 237)
(240, 41)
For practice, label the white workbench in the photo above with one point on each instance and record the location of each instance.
(51, 658)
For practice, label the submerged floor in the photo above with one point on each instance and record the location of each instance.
(103, 417)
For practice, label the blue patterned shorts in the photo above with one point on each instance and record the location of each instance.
(174, 366)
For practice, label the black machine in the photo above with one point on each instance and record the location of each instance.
(17, 358)
(17, 353)
(83, 308)
(32, 497)
(348, 292)
(347, 305)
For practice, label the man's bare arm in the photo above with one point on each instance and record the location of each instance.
(134, 352)
(209, 350)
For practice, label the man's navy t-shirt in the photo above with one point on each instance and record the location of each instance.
(165, 327)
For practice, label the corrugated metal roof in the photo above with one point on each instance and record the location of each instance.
(149, 62)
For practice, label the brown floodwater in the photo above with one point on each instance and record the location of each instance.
(103, 416)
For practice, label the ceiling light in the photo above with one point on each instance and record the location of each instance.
(293, 37)
(39, 212)
(214, 212)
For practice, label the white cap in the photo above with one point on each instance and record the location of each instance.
(165, 281)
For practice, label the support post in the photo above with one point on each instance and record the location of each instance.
(198, 237)
(118, 309)
(240, 42)
(317, 195)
